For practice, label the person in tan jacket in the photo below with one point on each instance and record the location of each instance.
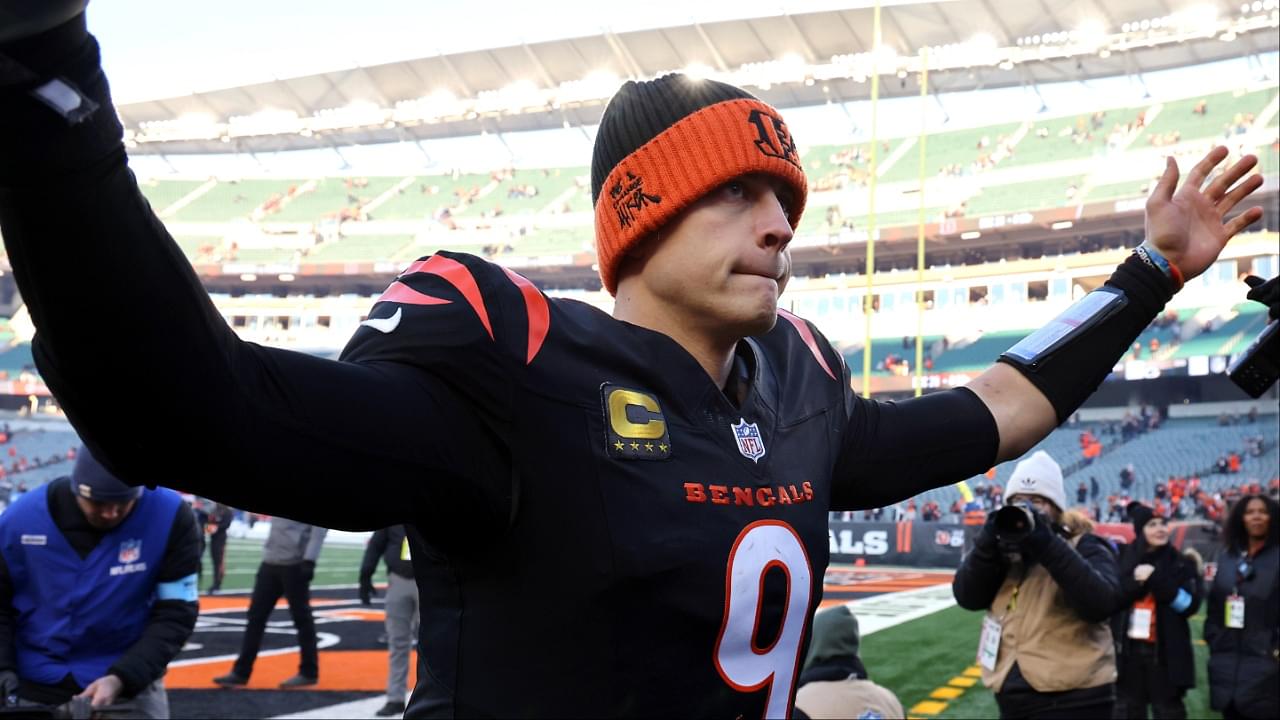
(834, 683)
(1049, 587)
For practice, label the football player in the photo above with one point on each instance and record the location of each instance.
(622, 515)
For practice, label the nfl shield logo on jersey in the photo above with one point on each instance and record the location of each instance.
(130, 551)
(750, 444)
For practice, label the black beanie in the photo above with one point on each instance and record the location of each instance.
(1139, 515)
(90, 480)
(664, 143)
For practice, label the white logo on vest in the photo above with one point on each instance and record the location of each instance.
(130, 553)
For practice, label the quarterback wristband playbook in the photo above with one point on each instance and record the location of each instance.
(1069, 357)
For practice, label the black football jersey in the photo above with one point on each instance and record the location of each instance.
(665, 548)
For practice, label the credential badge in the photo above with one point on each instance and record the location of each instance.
(130, 551)
(750, 444)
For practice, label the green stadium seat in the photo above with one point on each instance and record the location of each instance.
(163, 193)
(234, 199)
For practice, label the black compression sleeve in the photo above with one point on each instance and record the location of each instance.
(119, 311)
(896, 450)
(1069, 371)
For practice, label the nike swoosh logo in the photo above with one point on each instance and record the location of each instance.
(384, 325)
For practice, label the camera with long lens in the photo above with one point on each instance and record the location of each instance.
(1257, 368)
(1014, 522)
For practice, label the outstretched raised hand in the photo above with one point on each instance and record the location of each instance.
(1186, 224)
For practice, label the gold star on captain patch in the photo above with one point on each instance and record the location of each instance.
(662, 447)
(618, 445)
(648, 446)
(635, 446)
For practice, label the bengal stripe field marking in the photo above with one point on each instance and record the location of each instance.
(943, 695)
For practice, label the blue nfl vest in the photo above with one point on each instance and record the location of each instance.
(79, 616)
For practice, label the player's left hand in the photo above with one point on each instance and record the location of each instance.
(103, 691)
(1187, 226)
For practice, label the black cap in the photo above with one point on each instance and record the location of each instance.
(1139, 515)
(92, 481)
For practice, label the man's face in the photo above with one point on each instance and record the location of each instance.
(105, 515)
(721, 264)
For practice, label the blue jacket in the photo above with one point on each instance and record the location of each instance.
(78, 615)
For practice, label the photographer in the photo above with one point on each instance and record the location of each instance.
(1049, 587)
(1160, 590)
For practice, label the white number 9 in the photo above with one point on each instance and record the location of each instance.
(742, 664)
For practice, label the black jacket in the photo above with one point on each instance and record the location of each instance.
(1173, 572)
(387, 543)
(1244, 664)
(1087, 576)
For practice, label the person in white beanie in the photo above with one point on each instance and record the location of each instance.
(1049, 586)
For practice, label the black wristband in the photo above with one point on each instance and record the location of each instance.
(1071, 367)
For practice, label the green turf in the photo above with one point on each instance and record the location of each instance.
(915, 658)
(338, 565)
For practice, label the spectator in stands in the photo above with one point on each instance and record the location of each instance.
(834, 683)
(1242, 624)
(1049, 591)
(392, 546)
(288, 566)
(97, 591)
(1159, 590)
(1127, 477)
(1094, 489)
(1082, 493)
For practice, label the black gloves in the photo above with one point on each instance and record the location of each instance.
(308, 570)
(8, 687)
(367, 593)
(1266, 292)
(25, 18)
(986, 539)
(1037, 541)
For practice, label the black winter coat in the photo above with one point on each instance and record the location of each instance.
(1173, 572)
(1244, 664)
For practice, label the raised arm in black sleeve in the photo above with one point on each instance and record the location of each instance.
(117, 308)
(1087, 574)
(896, 450)
(172, 620)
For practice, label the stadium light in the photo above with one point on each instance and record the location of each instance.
(248, 277)
(970, 235)
(286, 277)
(1062, 225)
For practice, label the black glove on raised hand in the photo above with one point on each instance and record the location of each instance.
(308, 570)
(367, 592)
(1266, 292)
(24, 18)
(8, 686)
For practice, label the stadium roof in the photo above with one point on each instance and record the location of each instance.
(788, 59)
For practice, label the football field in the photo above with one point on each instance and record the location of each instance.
(929, 664)
(339, 564)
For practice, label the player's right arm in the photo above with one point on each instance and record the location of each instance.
(122, 321)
